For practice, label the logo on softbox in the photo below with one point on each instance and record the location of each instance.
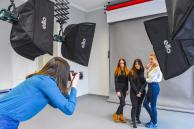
(44, 21)
(167, 46)
(83, 43)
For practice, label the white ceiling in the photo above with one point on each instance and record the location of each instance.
(88, 5)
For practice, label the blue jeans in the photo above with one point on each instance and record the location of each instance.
(8, 123)
(150, 101)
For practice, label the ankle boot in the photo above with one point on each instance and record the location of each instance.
(115, 117)
(134, 125)
(122, 119)
(138, 121)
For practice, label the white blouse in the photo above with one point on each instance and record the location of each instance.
(155, 75)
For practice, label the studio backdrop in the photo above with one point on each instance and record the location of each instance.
(129, 39)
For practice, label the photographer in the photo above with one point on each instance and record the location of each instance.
(48, 86)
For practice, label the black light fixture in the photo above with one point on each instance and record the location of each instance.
(9, 15)
(61, 12)
(76, 39)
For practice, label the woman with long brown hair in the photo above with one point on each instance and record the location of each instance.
(137, 90)
(48, 86)
(121, 88)
(153, 76)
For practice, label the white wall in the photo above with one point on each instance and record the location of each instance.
(96, 75)
(137, 11)
(21, 67)
(76, 16)
(13, 68)
(5, 56)
(55, 119)
(99, 64)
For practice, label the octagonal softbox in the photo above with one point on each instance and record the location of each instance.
(170, 54)
(77, 43)
(32, 36)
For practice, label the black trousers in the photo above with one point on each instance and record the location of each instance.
(122, 102)
(136, 105)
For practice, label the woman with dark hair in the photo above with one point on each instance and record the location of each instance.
(137, 90)
(153, 76)
(121, 88)
(48, 86)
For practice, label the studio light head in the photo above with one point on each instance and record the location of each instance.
(61, 12)
(9, 15)
(58, 38)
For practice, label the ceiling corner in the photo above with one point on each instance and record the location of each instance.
(78, 7)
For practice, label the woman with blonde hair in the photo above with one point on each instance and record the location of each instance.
(153, 76)
(121, 88)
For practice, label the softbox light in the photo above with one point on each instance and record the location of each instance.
(178, 12)
(186, 36)
(32, 35)
(181, 23)
(188, 47)
(77, 43)
(170, 54)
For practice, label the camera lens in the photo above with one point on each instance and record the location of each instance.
(74, 73)
(81, 75)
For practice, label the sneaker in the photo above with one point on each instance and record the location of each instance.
(151, 125)
(148, 123)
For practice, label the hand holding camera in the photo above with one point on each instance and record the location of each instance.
(74, 77)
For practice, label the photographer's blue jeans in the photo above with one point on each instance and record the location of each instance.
(8, 123)
(150, 102)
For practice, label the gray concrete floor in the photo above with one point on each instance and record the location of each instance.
(94, 112)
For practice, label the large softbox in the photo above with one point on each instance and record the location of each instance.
(32, 36)
(186, 36)
(181, 23)
(170, 54)
(178, 11)
(188, 47)
(78, 42)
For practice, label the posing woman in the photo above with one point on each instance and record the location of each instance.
(137, 90)
(153, 76)
(48, 86)
(121, 88)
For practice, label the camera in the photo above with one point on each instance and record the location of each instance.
(74, 74)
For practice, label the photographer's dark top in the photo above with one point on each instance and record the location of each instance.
(121, 82)
(32, 95)
(138, 82)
